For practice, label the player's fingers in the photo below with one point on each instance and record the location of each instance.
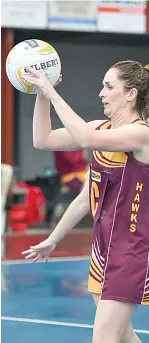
(58, 81)
(36, 247)
(25, 252)
(38, 257)
(46, 258)
(60, 78)
(30, 80)
(35, 73)
(33, 254)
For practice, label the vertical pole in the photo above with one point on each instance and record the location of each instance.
(7, 101)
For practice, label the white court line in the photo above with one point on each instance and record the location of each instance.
(49, 322)
(51, 259)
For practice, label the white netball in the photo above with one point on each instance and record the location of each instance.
(37, 54)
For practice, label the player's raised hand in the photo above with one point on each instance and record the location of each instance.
(37, 79)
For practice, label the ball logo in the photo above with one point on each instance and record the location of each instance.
(45, 65)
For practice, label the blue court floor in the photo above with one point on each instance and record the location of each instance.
(49, 303)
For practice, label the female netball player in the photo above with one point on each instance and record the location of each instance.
(118, 192)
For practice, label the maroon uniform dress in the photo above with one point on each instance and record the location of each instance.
(119, 201)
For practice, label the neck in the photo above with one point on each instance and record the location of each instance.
(120, 119)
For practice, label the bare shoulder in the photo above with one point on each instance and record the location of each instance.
(96, 123)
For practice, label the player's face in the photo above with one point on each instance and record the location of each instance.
(113, 96)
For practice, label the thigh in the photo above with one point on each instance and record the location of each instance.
(113, 317)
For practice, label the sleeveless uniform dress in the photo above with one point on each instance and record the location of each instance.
(119, 202)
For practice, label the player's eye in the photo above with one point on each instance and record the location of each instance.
(109, 86)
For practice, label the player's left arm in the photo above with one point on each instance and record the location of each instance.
(130, 137)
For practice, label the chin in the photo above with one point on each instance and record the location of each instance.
(107, 113)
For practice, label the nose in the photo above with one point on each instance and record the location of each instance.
(101, 94)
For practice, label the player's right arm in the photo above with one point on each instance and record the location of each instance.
(44, 137)
(74, 213)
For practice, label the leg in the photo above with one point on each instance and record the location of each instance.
(111, 320)
(129, 336)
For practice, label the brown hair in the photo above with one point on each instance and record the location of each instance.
(135, 75)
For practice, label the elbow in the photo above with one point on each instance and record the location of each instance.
(85, 144)
(38, 144)
(86, 140)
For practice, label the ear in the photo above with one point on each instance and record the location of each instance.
(132, 94)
